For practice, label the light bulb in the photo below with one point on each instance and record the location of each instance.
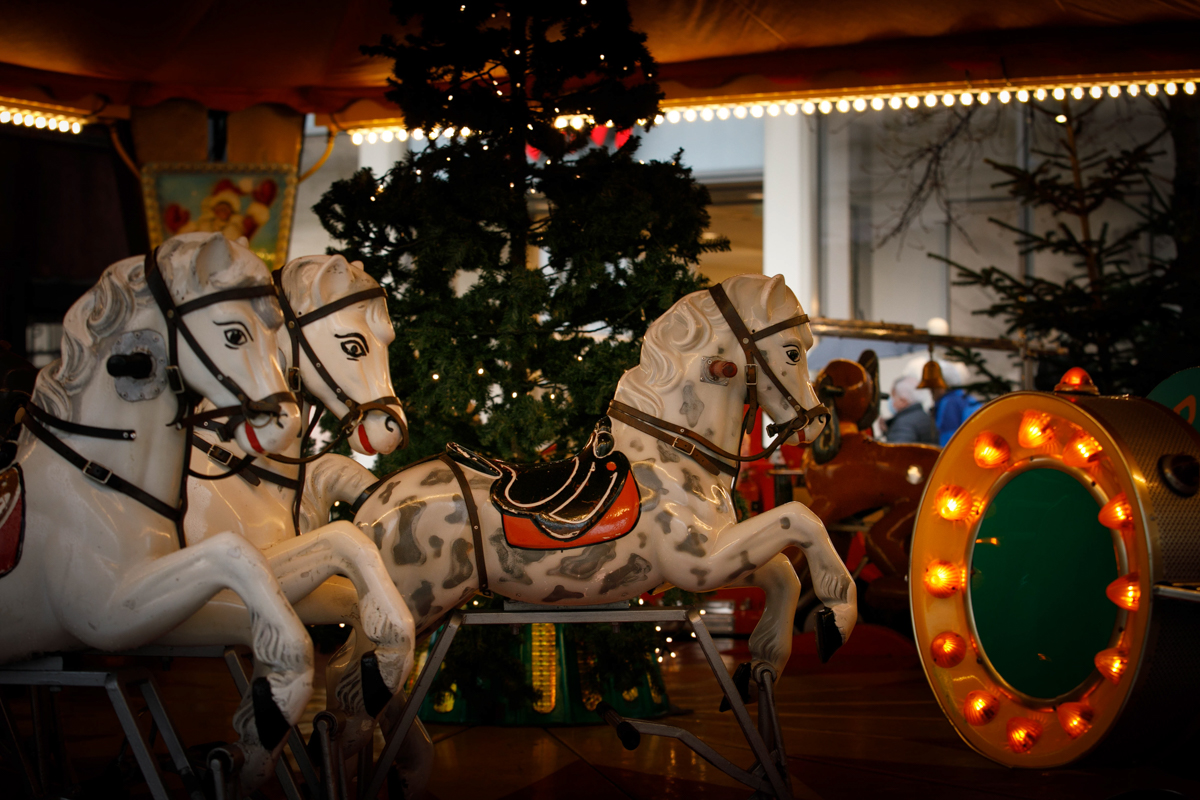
(1036, 429)
(1004, 96)
(1096, 92)
(1112, 663)
(966, 98)
(942, 579)
(912, 101)
(1077, 93)
(1114, 91)
(756, 111)
(1170, 89)
(372, 137)
(1082, 451)
(706, 115)
(1023, 734)
(1075, 718)
(1133, 89)
(895, 102)
(877, 103)
(826, 106)
(1125, 591)
(1117, 513)
(740, 112)
(357, 138)
(947, 100)
(980, 707)
(773, 109)
(984, 98)
(690, 115)
(808, 108)
(948, 649)
(722, 113)
(931, 100)
(1023, 95)
(843, 106)
(991, 450)
(1189, 87)
(860, 105)
(791, 109)
(953, 503)
(1152, 89)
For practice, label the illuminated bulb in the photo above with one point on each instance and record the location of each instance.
(948, 649)
(39, 122)
(5, 117)
(1117, 513)
(808, 108)
(722, 113)
(1077, 93)
(953, 503)
(577, 122)
(1023, 734)
(402, 135)
(895, 102)
(1114, 91)
(1112, 663)
(860, 105)
(966, 98)
(690, 115)
(17, 119)
(1061, 119)
(877, 103)
(1075, 718)
(514, 394)
(1082, 451)
(942, 579)
(791, 109)
(931, 100)
(448, 133)
(913, 101)
(843, 106)
(1152, 89)
(1060, 93)
(357, 138)
(30, 120)
(1170, 89)
(1076, 379)
(436, 376)
(561, 122)
(434, 134)
(418, 134)
(1189, 87)
(706, 115)
(1023, 95)
(658, 120)
(740, 112)
(990, 450)
(1096, 92)
(479, 371)
(1132, 89)
(756, 111)
(826, 106)
(387, 136)
(984, 98)
(372, 138)
(1125, 591)
(980, 708)
(1040, 94)
(947, 100)
(76, 127)
(1035, 429)
(774, 109)
(1004, 95)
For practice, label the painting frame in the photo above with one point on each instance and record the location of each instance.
(177, 188)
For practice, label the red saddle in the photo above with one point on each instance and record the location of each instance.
(579, 501)
(12, 518)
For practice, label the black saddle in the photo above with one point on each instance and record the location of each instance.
(563, 499)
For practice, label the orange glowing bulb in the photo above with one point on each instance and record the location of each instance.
(1036, 429)
(1075, 718)
(1082, 451)
(980, 708)
(990, 450)
(1117, 513)
(1125, 591)
(1076, 381)
(1112, 663)
(1023, 734)
(948, 649)
(953, 502)
(943, 579)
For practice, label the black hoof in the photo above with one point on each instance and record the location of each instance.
(376, 694)
(271, 723)
(741, 681)
(829, 638)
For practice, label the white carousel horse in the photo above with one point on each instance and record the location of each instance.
(100, 467)
(598, 528)
(337, 348)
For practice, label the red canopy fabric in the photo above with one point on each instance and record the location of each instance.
(304, 54)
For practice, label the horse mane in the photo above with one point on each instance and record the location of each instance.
(695, 324)
(105, 311)
(299, 278)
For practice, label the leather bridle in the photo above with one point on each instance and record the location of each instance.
(37, 419)
(685, 440)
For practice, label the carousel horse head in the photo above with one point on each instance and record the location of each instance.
(694, 351)
(340, 331)
(198, 315)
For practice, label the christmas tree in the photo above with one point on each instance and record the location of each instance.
(526, 247)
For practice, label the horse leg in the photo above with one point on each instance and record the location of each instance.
(157, 595)
(305, 562)
(751, 547)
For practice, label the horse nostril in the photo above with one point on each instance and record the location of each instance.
(390, 424)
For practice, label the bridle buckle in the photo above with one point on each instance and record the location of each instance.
(220, 455)
(175, 379)
(679, 444)
(751, 375)
(293, 379)
(97, 472)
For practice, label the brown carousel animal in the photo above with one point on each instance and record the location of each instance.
(860, 484)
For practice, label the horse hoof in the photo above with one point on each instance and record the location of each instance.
(741, 681)
(376, 694)
(272, 725)
(829, 638)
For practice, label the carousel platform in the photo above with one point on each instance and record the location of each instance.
(865, 725)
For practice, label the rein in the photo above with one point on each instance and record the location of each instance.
(670, 433)
(36, 419)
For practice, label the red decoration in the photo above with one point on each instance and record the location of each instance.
(175, 217)
(532, 153)
(599, 134)
(622, 137)
(266, 191)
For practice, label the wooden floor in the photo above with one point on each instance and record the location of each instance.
(863, 726)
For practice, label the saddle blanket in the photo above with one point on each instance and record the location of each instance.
(12, 518)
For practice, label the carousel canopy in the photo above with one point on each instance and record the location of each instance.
(102, 58)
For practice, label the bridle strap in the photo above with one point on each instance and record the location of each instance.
(224, 421)
(102, 474)
(472, 517)
(665, 432)
(46, 418)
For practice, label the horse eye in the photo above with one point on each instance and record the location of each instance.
(793, 355)
(354, 349)
(235, 336)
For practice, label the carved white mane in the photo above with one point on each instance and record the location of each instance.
(695, 324)
(105, 310)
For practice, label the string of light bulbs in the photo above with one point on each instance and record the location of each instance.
(41, 119)
(812, 105)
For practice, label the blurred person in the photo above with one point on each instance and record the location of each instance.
(911, 422)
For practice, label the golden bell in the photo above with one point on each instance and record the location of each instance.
(931, 376)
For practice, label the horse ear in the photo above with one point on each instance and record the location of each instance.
(214, 257)
(333, 280)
